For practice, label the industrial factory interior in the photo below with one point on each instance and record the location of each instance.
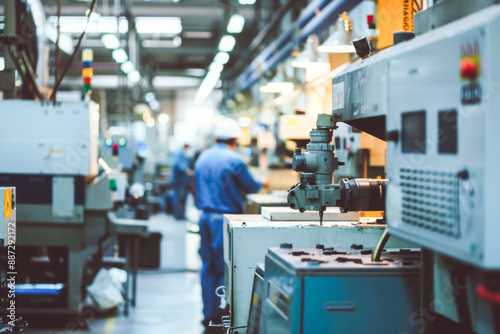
(249, 166)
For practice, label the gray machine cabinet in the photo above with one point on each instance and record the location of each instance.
(315, 293)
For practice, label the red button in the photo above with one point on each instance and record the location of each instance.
(469, 69)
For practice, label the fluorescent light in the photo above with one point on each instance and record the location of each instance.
(110, 41)
(216, 67)
(76, 24)
(163, 118)
(65, 41)
(247, 2)
(277, 87)
(221, 58)
(227, 43)
(174, 82)
(197, 34)
(154, 43)
(200, 116)
(120, 56)
(195, 72)
(154, 105)
(158, 25)
(2, 63)
(134, 76)
(127, 67)
(236, 23)
(206, 86)
(149, 96)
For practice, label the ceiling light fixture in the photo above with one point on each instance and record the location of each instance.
(154, 43)
(110, 41)
(127, 67)
(247, 2)
(310, 57)
(120, 56)
(227, 43)
(103, 25)
(221, 58)
(215, 67)
(197, 34)
(134, 76)
(158, 25)
(206, 86)
(340, 41)
(277, 87)
(236, 24)
(163, 118)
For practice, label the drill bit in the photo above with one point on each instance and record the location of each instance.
(321, 217)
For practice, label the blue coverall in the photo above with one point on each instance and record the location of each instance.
(181, 182)
(222, 180)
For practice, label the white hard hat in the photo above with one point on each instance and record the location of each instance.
(227, 128)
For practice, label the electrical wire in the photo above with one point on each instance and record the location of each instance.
(72, 57)
(382, 241)
(58, 51)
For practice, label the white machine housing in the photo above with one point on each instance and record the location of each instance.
(443, 134)
(43, 138)
(248, 237)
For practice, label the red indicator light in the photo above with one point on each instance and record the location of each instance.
(114, 148)
(469, 69)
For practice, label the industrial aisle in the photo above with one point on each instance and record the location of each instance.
(168, 299)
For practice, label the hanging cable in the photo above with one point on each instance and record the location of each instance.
(58, 50)
(77, 47)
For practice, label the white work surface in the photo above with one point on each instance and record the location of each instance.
(287, 214)
(247, 238)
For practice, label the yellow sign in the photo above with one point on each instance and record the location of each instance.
(7, 203)
(395, 15)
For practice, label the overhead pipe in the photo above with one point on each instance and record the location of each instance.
(281, 49)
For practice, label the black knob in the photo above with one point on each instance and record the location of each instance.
(464, 175)
(299, 163)
(286, 245)
(341, 163)
(402, 36)
(298, 151)
(354, 246)
(320, 246)
(393, 136)
(362, 46)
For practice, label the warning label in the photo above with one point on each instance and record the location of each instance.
(7, 203)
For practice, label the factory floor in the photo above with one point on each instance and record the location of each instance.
(168, 299)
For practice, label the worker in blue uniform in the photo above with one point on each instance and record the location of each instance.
(222, 180)
(181, 180)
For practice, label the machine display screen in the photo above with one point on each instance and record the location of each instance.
(413, 132)
(448, 132)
